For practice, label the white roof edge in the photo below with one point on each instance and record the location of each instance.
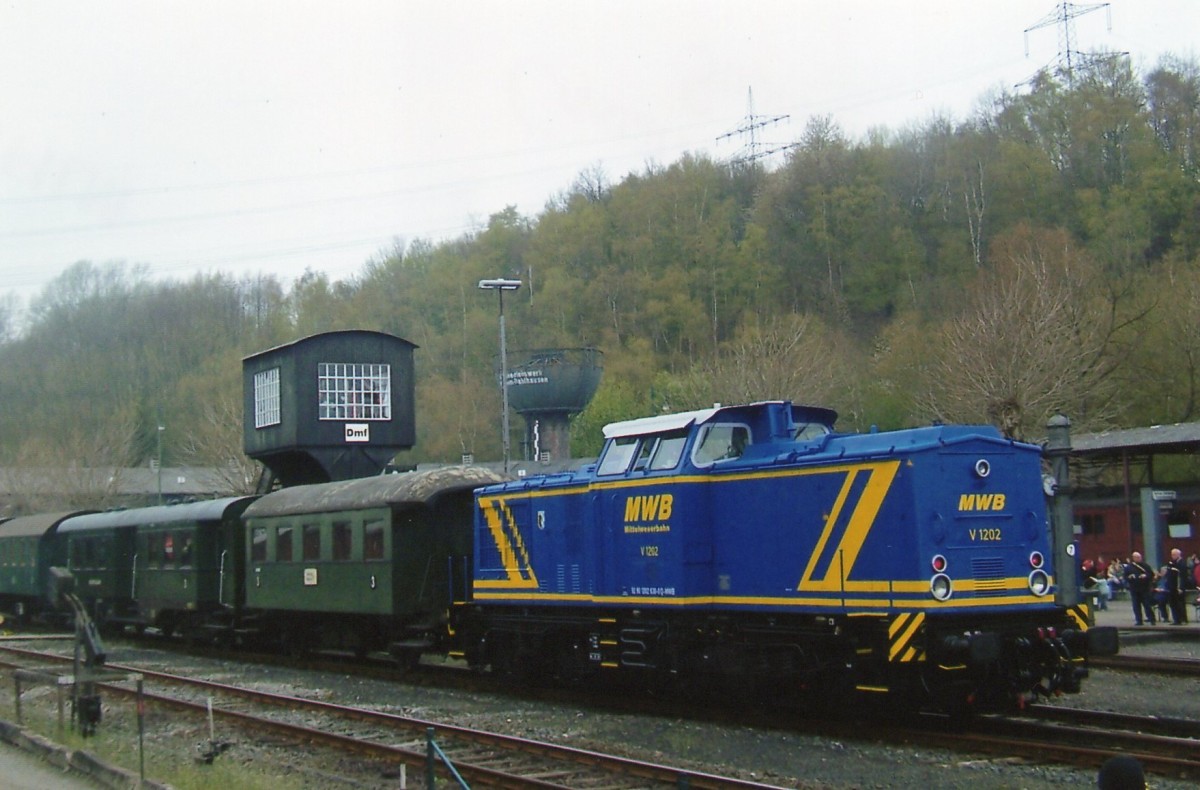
(657, 424)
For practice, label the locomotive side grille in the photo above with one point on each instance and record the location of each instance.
(567, 579)
(988, 573)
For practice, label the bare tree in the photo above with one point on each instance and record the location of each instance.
(1031, 338)
(215, 441)
(80, 468)
(788, 357)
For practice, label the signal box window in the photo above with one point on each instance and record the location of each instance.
(341, 540)
(266, 398)
(283, 544)
(373, 540)
(354, 391)
(311, 535)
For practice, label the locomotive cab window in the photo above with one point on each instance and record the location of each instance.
(649, 445)
(668, 451)
(617, 455)
(661, 451)
(720, 442)
(811, 431)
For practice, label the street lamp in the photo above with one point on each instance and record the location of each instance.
(500, 286)
(158, 461)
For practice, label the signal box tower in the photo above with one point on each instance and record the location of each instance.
(332, 406)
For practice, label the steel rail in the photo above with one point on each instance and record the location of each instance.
(488, 776)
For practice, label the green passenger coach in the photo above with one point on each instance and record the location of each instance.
(373, 563)
(170, 567)
(28, 549)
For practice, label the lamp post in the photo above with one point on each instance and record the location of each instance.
(500, 286)
(158, 461)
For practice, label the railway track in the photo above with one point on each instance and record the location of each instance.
(1165, 746)
(1163, 664)
(1042, 734)
(483, 759)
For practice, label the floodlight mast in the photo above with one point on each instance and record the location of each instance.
(500, 285)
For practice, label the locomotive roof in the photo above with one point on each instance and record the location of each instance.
(396, 489)
(208, 510)
(677, 421)
(24, 526)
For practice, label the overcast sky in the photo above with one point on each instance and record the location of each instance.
(276, 137)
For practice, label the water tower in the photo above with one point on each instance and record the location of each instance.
(546, 386)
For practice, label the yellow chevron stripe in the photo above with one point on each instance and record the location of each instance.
(862, 518)
(515, 558)
(1081, 614)
(902, 632)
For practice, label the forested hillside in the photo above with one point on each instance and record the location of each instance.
(1041, 255)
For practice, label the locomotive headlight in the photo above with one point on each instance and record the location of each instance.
(983, 468)
(1039, 583)
(941, 587)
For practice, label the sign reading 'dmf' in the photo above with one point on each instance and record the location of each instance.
(358, 432)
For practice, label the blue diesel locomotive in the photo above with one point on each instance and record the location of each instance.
(754, 545)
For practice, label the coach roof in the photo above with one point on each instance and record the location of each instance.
(209, 510)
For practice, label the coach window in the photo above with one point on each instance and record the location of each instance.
(153, 549)
(258, 544)
(618, 455)
(310, 535)
(283, 543)
(373, 540)
(91, 553)
(168, 554)
(342, 541)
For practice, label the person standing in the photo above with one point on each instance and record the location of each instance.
(1139, 578)
(1176, 584)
